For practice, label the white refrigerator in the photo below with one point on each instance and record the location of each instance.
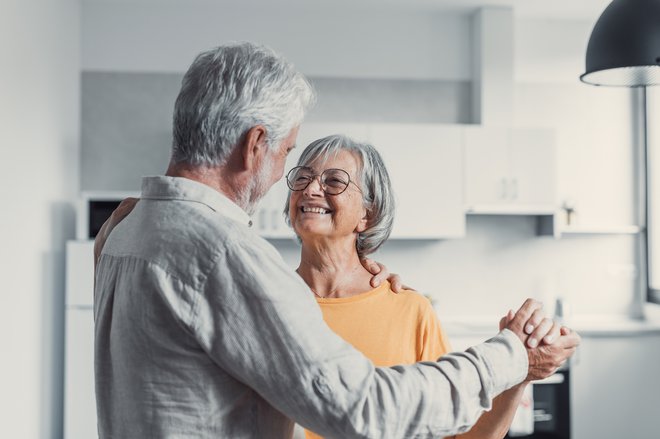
(79, 399)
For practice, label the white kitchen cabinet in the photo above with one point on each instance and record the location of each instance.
(509, 171)
(615, 387)
(424, 164)
(533, 167)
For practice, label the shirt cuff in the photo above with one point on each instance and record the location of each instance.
(506, 358)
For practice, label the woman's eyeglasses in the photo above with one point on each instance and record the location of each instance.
(333, 181)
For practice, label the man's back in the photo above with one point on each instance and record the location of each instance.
(155, 377)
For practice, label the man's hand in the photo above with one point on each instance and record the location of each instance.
(381, 273)
(536, 332)
(124, 208)
(546, 359)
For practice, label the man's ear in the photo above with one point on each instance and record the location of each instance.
(254, 147)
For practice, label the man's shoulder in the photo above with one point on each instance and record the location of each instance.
(192, 221)
(177, 236)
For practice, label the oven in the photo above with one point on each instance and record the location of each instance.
(552, 410)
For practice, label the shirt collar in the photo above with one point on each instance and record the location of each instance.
(178, 188)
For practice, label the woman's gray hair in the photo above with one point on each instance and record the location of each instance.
(230, 89)
(377, 194)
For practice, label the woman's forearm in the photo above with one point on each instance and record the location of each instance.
(495, 423)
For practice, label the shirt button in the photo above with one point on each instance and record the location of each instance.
(321, 384)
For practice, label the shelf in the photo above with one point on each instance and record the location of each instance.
(530, 210)
(600, 230)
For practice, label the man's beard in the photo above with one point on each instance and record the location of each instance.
(250, 196)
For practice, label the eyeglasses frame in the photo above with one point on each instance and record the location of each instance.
(321, 184)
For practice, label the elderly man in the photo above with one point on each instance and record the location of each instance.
(203, 331)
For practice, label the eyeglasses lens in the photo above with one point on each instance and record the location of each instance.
(333, 181)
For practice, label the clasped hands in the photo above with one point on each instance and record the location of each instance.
(548, 343)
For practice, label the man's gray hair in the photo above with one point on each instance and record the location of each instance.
(230, 89)
(377, 194)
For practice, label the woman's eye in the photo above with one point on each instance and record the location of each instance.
(335, 182)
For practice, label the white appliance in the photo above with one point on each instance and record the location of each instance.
(79, 399)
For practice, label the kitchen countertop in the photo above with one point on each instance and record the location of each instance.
(587, 325)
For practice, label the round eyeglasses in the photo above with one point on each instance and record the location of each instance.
(333, 181)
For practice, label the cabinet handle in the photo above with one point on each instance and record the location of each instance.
(503, 189)
(514, 188)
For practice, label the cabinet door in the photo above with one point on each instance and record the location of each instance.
(487, 180)
(425, 165)
(615, 387)
(533, 167)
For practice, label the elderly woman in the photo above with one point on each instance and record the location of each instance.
(341, 207)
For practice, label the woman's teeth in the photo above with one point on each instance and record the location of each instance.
(315, 210)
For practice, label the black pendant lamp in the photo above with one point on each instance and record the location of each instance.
(624, 48)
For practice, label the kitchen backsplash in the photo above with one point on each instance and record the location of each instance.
(501, 261)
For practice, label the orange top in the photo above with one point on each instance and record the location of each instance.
(388, 328)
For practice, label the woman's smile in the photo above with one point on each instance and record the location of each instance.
(315, 210)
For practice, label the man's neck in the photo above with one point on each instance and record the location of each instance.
(216, 177)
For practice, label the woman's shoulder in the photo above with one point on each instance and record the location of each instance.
(413, 298)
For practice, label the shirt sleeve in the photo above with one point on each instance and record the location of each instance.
(432, 339)
(259, 322)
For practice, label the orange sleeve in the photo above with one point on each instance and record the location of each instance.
(433, 341)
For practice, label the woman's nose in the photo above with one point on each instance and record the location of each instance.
(314, 187)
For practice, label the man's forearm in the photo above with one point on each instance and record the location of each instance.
(450, 398)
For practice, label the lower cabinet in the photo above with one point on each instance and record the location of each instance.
(615, 387)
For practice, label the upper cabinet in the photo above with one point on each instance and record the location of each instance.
(424, 163)
(425, 166)
(440, 172)
(509, 171)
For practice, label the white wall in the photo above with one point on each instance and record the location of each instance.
(39, 42)
(550, 50)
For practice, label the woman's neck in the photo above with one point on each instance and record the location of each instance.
(333, 270)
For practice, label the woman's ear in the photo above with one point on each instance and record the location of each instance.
(364, 221)
(254, 147)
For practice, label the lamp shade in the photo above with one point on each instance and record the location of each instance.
(624, 47)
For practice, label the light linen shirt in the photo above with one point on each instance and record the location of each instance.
(203, 331)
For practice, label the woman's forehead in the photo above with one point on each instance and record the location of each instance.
(341, 158)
